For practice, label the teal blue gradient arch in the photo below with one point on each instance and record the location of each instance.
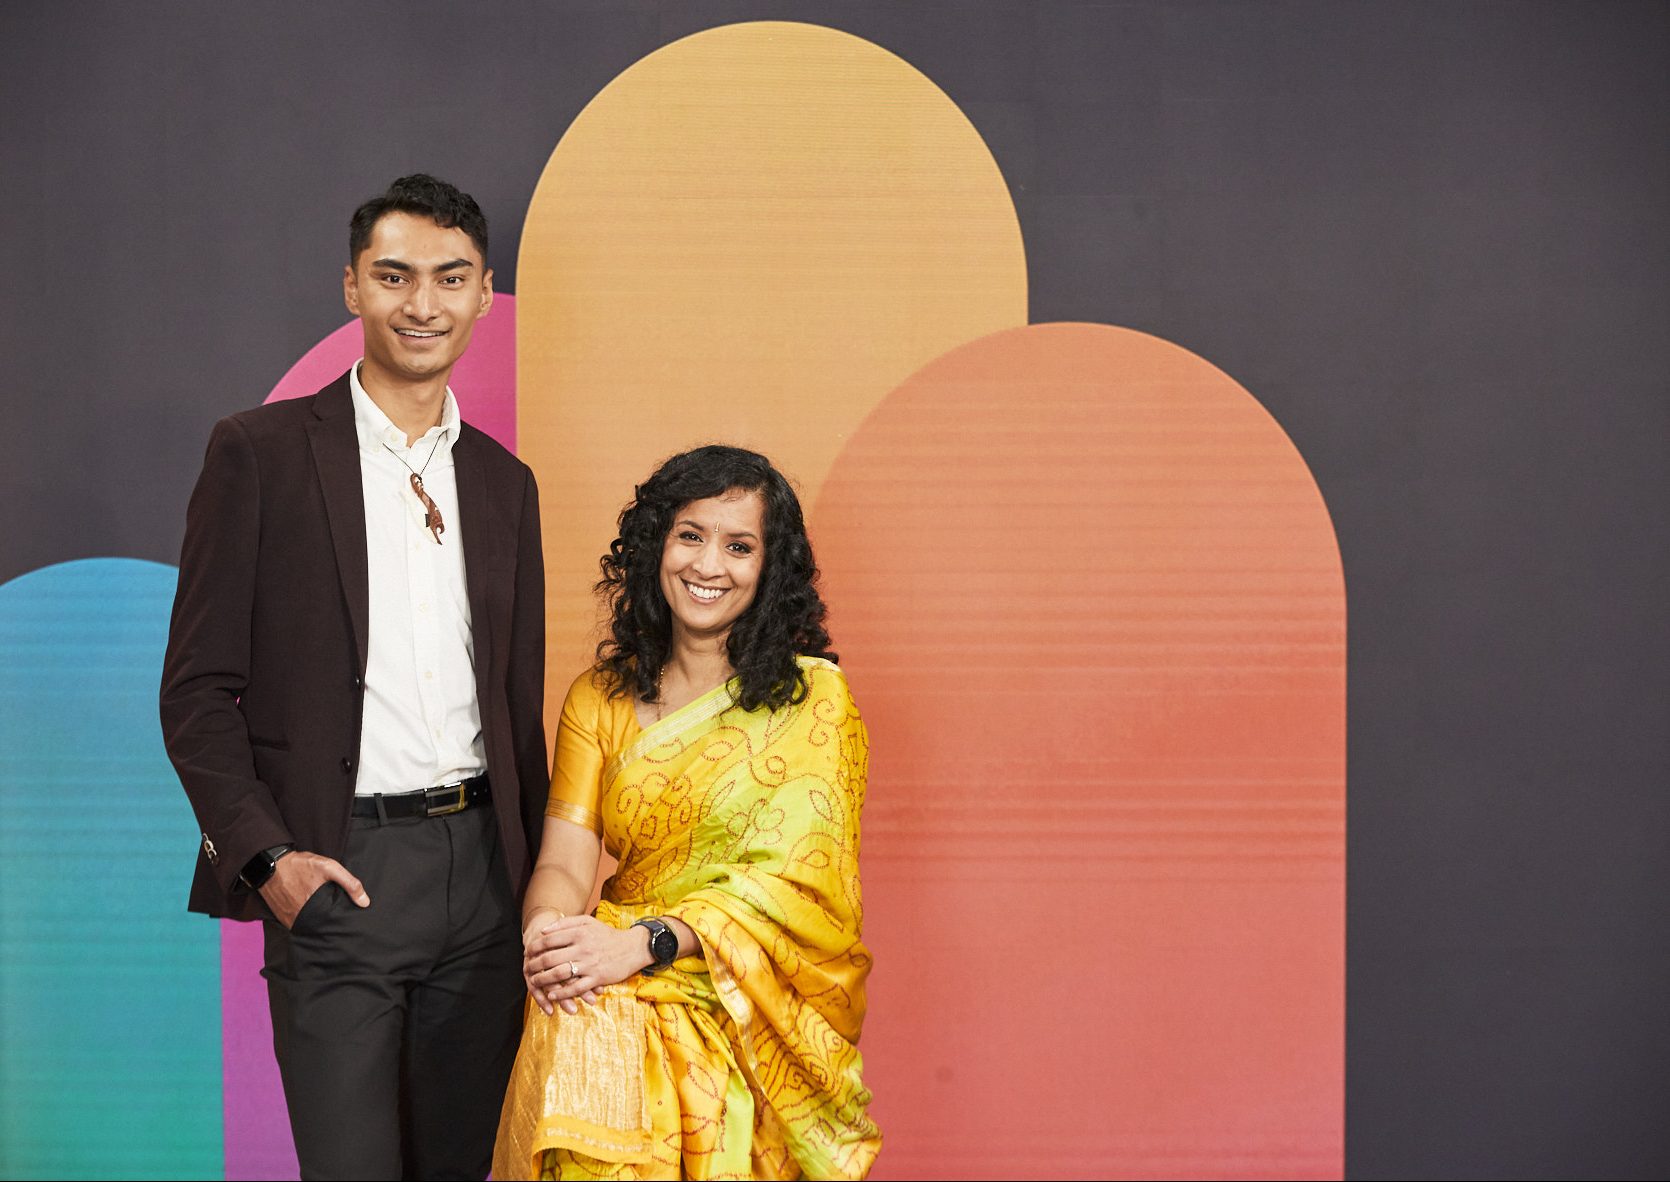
(110, 1045)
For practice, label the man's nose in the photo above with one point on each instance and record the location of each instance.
(421, 303)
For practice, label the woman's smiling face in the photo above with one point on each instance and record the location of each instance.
(711, 563)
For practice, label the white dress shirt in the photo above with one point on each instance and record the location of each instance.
(422, 724)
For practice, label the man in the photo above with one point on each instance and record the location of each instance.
(352, 697)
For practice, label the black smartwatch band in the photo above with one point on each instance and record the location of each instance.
(263, 865)
(663, 945)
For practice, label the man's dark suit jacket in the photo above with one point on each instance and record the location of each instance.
(262, 686)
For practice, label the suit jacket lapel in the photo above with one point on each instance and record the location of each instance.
(475, 523)
(336, 455)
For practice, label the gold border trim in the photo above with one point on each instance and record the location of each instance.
(575, 1134)
(687, 717)
(565, 810)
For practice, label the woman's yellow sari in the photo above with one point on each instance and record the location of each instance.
(742, 1062)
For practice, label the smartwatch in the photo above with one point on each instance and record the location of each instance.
(663, 945)
(263, 865)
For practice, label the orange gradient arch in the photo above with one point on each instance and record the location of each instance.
(1090, 602)
(750, 235)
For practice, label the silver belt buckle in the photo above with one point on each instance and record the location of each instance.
(458, 805)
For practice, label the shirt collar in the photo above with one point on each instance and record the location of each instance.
(376, 430)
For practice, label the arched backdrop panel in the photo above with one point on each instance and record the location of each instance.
(750, 235)
(1097, 625)
(109, 1016)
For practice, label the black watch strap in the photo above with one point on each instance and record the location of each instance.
(663, 945)
(263, 865)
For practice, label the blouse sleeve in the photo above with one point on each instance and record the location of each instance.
(582, 748)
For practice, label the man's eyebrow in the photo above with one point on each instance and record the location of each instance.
(399, 265)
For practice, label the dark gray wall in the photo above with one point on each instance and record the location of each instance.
(1431, 238)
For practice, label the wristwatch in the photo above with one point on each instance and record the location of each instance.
(262, 866)
(663, 945)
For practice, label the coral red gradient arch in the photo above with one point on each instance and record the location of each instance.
(1091, 604)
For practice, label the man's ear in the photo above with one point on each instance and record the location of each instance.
(486, 294)
(351, 289)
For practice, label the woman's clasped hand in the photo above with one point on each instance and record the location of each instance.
(569, 957)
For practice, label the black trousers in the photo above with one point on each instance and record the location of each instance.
(396, 1025)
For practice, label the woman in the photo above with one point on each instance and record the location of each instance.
(716, 751)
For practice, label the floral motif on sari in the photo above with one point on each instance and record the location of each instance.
(742, 1062)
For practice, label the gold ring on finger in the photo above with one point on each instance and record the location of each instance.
(573, 969)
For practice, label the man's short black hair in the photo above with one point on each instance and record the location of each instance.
(421, 194)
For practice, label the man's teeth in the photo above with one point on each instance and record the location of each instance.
(708, 593)
(412, 332)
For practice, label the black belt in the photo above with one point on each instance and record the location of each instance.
(425, 802)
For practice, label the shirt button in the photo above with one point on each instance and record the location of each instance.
(429, 675)
(423, 607)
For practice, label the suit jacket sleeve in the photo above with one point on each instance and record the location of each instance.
(527, 670)
(207, 664)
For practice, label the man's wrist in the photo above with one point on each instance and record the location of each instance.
(259, 870)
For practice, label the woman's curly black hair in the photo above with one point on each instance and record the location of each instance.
(784, 620)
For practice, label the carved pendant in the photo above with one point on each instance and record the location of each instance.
(431, 512)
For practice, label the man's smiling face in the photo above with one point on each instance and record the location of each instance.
(418, 289)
